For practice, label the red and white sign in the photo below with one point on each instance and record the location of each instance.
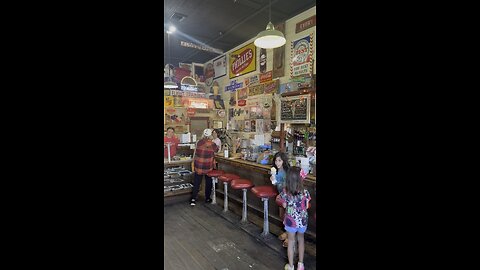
(266, 77)
(190, 112)
(242, 102)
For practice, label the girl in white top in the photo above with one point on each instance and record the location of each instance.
(216, 140)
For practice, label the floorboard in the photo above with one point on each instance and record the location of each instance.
(198, 238)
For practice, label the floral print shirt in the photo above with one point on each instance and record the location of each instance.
(296, 215)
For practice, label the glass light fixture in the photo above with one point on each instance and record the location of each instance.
(270, 38)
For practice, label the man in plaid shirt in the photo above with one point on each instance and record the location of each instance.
(203, 162)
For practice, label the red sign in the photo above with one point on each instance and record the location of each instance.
(190, 112)
(242, 102)
(182, 72)
(305, 24)
(265, 77)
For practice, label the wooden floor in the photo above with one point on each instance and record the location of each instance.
(198, 238)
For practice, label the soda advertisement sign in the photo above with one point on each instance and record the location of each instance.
(302, 54)
(242, 61)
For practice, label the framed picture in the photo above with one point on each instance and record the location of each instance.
(197, 72)
(217, 124)
(295, 109)
(220, 66)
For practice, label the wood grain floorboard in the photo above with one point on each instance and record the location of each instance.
(197, 238)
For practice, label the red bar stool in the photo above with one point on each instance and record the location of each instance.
(226, 178)
(214, 174)
(242, 184)
(265, 192)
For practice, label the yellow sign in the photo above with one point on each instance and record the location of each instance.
(242, 61)
(168, 101)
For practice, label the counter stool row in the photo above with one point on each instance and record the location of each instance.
(236, 182)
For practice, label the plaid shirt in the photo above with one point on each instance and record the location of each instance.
(204, 155)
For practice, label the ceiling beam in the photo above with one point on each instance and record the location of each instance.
(260, 10)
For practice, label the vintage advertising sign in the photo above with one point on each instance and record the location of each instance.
(209, 73)
(266, 77)
(242, 93)
(186, 93)
(254, 90)
(271, 87)
(252, 80)
(168, 101)
(305, 24)
(242, 102)
(220, 66)
(180, 73)
(242, 61)
(263, 60)
(302, 55)
(233, 86)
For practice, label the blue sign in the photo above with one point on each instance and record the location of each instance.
(233, 86)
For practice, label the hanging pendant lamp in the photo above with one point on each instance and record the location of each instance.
(270, 38)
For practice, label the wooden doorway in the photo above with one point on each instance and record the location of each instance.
(198, 125)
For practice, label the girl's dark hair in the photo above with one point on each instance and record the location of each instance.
(293, 181)
(171, 128)
(284, 157)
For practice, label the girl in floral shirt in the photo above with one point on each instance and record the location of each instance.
(296, 200)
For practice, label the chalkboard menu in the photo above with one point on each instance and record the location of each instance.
(295, 109)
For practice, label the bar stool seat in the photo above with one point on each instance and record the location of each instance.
(214, 174)
(242, 184)
(226, 178)
(265, 192)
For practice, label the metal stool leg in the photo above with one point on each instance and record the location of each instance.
(214, 199)
(244, 212)
(265, 217)
(225, 199)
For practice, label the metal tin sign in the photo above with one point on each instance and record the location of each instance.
(242, 102)
(252, 80)
(266, 77)
(302, 54)
(271, 87)
(305, 24)
(242, 61)
(255, 90)
(233, 86)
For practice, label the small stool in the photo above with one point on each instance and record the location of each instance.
(242, 184)
(265, 192)
(226, 178)
(214, 174)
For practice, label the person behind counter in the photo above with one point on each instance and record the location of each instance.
(203, 162)
(280, 163)
(217, 140)
(172, 140)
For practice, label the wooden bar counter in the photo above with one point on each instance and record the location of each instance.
(260, 175)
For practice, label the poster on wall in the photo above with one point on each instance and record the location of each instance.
(254, 90)
(279, 55)
(242, 61)
(209, 73)
(220, 66)
(242, 93)
(263, 60)
(168, 101)
(302, 56)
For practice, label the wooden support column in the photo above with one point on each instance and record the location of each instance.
(282, 138)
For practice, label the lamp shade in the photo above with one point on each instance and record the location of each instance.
(170, 85)
(270, 38)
